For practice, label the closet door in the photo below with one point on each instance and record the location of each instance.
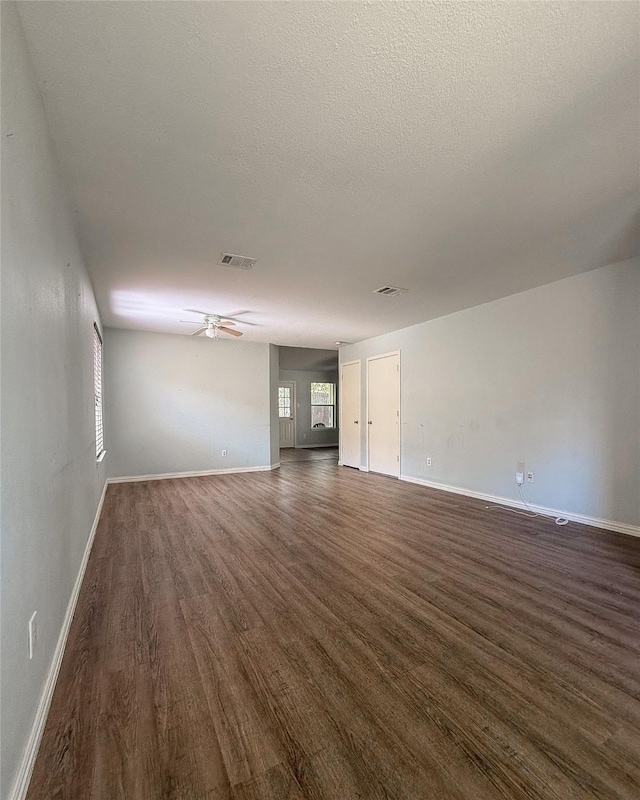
(350, 422)
(383, 414)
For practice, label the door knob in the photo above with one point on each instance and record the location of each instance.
(355, 421)
(370, 422)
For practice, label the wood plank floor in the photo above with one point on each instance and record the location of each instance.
(308, 454)
(317, 632)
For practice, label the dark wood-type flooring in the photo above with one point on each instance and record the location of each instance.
(316, 632)
(308, 454)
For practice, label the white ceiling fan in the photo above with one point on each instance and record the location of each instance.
(212, 324)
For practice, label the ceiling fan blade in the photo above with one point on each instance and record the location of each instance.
(199, 331)
(241, 321)
(230, 318)
(226, 322)
(239, 313)
(236, 314)
(190, 321)
(202, 313)
(228, 330)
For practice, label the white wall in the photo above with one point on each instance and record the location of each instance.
(550, 377)
(305, 434)
(51, 484)
(173, 403)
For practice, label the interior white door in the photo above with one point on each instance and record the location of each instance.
(350, 414)
(287, 414)
(383, 414)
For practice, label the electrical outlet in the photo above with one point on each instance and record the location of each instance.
(224, 453)
(519, 478)
(428, 462)
(33, 634)
(529, 477)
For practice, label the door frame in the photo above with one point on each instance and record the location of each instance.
(294, 411)
(375, 358)
(340, 420)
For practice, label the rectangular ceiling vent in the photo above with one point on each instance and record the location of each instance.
(238, 262)
(390, 291)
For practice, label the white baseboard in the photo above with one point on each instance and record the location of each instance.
(169, 475)
(21, 782)
(363, 469)
(607, 524)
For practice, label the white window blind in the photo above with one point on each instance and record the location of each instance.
(97, 390)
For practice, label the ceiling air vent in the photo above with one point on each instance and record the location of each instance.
(389, 291)
(238, 262)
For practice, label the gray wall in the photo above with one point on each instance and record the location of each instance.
(305, 434)
(51, 484)
(173, 403)
(550, 377)
(274, 377)
(308, 358)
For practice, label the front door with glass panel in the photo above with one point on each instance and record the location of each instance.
(287, 414)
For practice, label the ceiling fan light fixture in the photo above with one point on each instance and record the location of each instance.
(213, 325)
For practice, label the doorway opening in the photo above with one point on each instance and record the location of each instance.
(308, 408)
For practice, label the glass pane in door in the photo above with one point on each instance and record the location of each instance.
(284, 401)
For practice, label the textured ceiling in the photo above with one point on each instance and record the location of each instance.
(465, 151)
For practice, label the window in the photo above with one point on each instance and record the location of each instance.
(323, 405)
(284, 401)
(97, 391)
